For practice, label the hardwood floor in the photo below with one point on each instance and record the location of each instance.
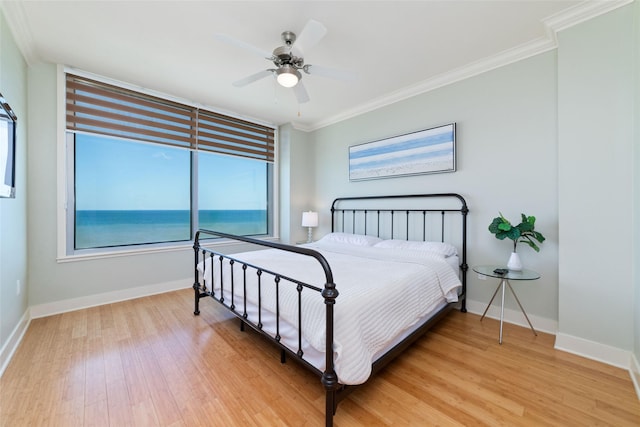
(150, 362)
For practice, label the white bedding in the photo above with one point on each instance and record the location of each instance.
(382, 293)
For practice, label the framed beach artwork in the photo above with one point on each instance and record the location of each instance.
(423, 152)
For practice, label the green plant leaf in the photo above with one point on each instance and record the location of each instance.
(530, 242)
(525, 227)
(513, 234)
(504, 227)
(494, 226)
(538, 236)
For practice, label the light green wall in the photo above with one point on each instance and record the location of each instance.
(636, 193)
(506, 161)
(595, 99)
(297, 178)
(51, 280)
(13, 212)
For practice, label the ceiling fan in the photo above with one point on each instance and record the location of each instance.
(289, 59)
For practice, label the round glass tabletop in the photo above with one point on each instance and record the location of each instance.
(490, 270)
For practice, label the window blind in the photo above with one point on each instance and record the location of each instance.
(104, 109)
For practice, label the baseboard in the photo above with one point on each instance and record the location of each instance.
(588, 349)
(11, 345)
(635, 374)
(515, 317)
(594, 350)
(57, 307)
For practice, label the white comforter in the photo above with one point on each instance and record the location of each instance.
(382, 292)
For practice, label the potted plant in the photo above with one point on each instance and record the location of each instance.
(523, 232)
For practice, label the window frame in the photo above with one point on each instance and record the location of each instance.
(66, 180)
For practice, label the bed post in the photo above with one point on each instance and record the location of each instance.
(196, 285)
(329, 378)
(464, 267)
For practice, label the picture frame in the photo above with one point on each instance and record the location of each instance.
(8, 121)
(426, 151)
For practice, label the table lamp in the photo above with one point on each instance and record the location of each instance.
(310, 220)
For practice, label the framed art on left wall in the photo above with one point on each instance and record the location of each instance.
(8, 122)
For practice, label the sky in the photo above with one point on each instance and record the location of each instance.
(117, 174)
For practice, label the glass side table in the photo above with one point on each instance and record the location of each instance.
(488, 270)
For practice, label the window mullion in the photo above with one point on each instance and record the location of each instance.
(195, 222)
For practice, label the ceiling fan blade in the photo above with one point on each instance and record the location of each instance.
(301, 93)
(231, 40)
(310, 35)
(331, 73)
(252, 78)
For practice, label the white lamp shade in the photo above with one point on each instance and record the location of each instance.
(287, 80)
(310, 219)
(287, 76)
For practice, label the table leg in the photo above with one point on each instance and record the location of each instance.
(520, 305)
(492, 298)
(502, 308)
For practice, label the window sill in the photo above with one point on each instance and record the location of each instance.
(93, 254)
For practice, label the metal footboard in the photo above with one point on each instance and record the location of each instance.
(266, 277)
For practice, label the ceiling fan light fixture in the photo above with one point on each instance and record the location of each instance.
(287, 76)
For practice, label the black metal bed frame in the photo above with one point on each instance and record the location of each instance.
(335, 392)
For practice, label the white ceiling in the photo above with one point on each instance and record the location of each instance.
(396, 48)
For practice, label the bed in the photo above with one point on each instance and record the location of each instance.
(347, 304)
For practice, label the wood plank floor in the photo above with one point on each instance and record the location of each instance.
(150, 362)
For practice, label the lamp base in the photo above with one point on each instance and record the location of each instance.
(309, 236)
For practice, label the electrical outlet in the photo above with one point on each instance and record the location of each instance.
(18, 287)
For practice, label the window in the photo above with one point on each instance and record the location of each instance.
(145, 170)
(246, 212)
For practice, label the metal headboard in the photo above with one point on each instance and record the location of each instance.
(384, 216)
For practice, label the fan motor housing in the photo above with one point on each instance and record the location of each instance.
(288, 37)
(282, 55)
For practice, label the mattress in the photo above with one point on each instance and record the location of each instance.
(384, 294)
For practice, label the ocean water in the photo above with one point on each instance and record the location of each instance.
(105, 228)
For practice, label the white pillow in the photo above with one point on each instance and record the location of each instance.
(444, 249)
(353, 239)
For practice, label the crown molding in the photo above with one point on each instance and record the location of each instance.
(572, 16)
(580, 13)
(14, 14)
(509, 56)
